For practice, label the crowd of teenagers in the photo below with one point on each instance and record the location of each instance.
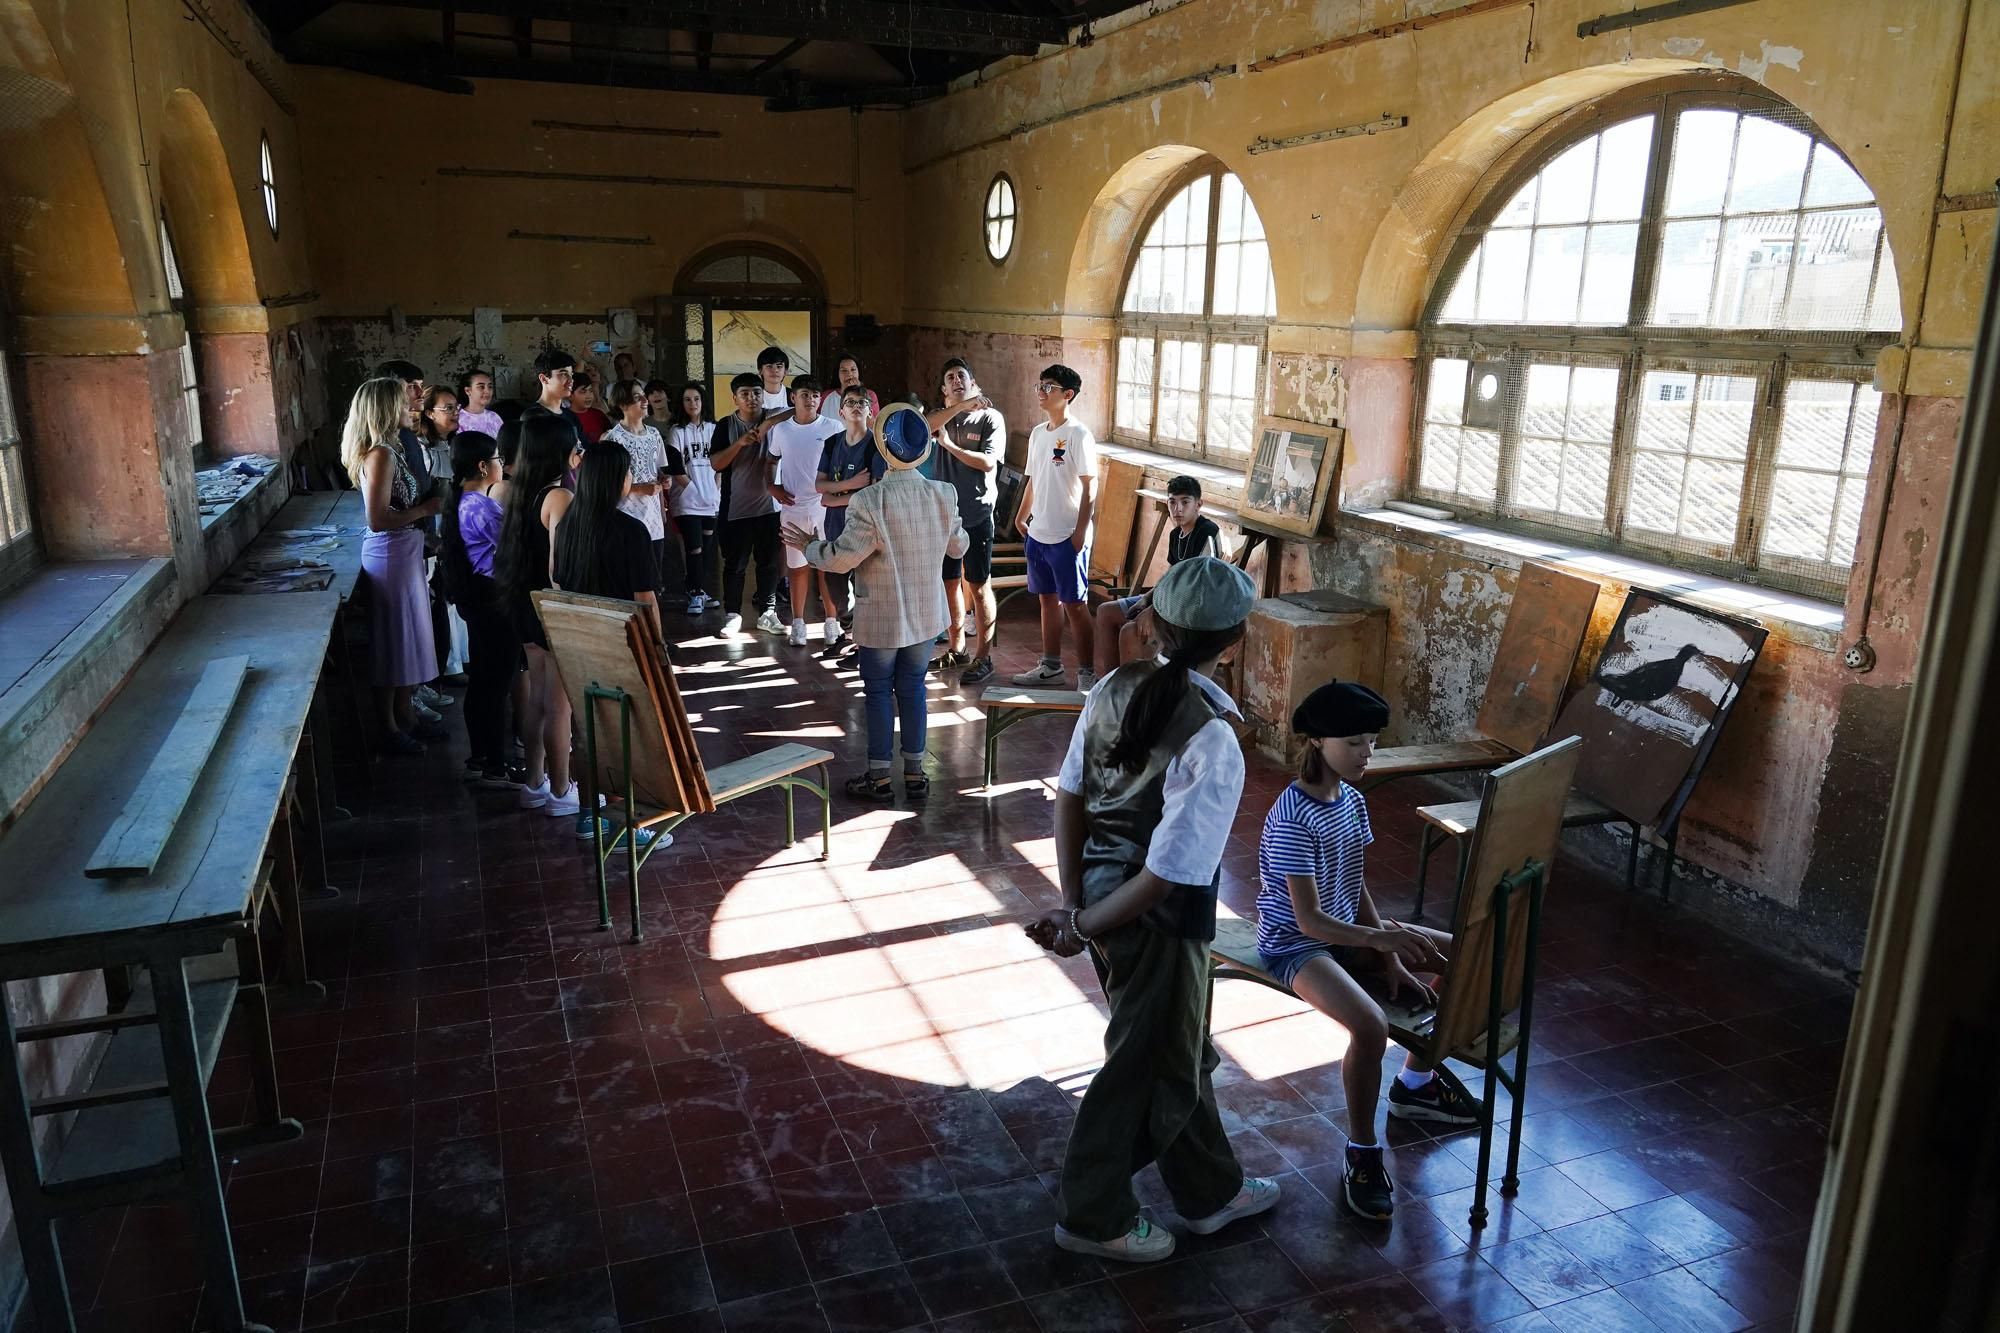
(888, 518)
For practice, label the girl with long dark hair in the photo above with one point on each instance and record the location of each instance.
(599, 548)
(536, 502)
(470, 538)
(696, 501)
(1144, 805)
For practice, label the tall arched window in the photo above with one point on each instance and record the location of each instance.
(177, 293)
(1660, 334)
(1198, 305)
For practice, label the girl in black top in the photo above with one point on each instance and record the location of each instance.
(536, 502)
(599, 549)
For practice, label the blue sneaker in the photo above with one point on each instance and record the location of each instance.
(615, 835)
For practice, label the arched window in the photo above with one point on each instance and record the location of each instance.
(1198, 305)
(177, 293)
(1660, 335)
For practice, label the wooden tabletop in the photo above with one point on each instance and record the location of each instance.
(316, 509)
(205, 876)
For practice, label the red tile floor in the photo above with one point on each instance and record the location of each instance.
(833, 1096)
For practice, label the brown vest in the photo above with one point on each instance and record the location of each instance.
(1123, 805)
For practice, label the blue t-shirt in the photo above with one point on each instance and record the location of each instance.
(1307, 836)
(841, 461)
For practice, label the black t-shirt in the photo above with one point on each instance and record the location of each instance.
(626, 562)
(1204, 538)
(981, 432)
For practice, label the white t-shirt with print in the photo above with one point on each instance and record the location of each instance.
(1058, 481)
(702, 496)
(648, 457)
(796, 446)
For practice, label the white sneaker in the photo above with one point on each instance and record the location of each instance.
(798, 632)
(426, 695)
(770, 624)
(1258, 1194)
(564, 803)
(1042, 677)
(535, 797)
(830, 631)
(732, 623)
(1085, 678)
(424, 713)
(1143, 1244)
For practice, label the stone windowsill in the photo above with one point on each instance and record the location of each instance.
(1802, 620)
(243, 503)
(1218, 484)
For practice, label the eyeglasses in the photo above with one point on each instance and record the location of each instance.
(445, 407)
(1046, 387)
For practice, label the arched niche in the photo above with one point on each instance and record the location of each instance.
(205, 217)
(1111, 233)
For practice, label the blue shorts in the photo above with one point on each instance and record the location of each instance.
(1285, 966)
(1057, 569)
(1129, 606)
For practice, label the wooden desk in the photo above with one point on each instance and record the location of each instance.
(54, 919)
(317, 509)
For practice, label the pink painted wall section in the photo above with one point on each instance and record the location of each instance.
(106, 482)
(1380, 394)
(239, 405)
(1916, 498)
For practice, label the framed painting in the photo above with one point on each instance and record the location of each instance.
(1292, 469)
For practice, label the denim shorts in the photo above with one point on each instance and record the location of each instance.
(1129, 606)
(1285, 966)
(1057, 569)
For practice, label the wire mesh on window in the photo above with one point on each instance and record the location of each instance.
(1691, 446)
(1243, 284)
(1826, 441)
(1458, 459)
(1173, 259)
(1180, 390)
(1232, 396)
(1562, 468)
(1135, 385)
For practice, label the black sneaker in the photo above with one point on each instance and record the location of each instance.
(1435, 1100)
(1365, 1182)
(473, 769)
(981, 670)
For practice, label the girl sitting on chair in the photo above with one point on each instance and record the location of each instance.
(1318, 930)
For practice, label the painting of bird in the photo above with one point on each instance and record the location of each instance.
(1651, 680)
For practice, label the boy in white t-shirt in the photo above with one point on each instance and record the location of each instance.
(795, 447)
(1054, 519)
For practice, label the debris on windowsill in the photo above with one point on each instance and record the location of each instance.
(221, 486)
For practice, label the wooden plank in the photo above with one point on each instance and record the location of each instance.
(134, 842)
(1115, 510)
(1519, 820)
(1402, 761)
(1461, 817)
(733, 779)
(204, 880)
(1538, 646)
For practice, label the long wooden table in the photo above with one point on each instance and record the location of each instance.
(150, 1134)
(318, 509)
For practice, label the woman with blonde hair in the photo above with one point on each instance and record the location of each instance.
(402, 654)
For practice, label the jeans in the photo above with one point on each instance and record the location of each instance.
(743, 538)
(892, 682)
(703, 557)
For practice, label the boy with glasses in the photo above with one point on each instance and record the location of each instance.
(749, 527)
(1056, 504)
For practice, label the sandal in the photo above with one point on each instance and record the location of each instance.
(916, 786)
(869, 787)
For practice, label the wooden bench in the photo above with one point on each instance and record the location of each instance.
(1013, 705)
(143, 1128)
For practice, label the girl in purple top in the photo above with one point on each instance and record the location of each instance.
(471, 536)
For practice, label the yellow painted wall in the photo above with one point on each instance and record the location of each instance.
(389, 230)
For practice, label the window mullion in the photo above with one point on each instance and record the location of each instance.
(1760, 463)
(1159, 373)
(1652, 225)
(1514, 396)
(1624, 442)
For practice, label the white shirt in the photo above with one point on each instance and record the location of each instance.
(776, 402)
(1204, 785)
(1058, 483)
(648, 457)
(702, 495)
(796, 447)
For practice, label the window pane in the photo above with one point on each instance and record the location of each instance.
(1479, 464)
(1135, 385)
(1686, 273)
(14, 515)
(1229, 217)
(1173, 258)
(1687, 472)
(1826, 440)
(1593, 404)
(1832, 264)
(1607, 274)
(1704, 142)
(1812, 432)
(1556, 276)
(1227, 260)
(1560, 468)
(1180, 390)
(1445, 399)
(1457, 307)
(1503, 273)
(1232, 380)
(1751, 271)
(1437, 470)
(1566, 184)
(1586, 478)
(1520, 210)
(1770, 166)
(1538, 473)
(1833, 182)
(1885, 309)
(1621, 171)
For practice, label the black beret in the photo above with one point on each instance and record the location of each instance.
(1340, 708)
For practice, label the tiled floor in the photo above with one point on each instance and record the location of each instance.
(833, 1095)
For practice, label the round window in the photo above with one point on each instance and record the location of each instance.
(1001, 214)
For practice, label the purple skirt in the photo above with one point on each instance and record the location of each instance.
(402, 650)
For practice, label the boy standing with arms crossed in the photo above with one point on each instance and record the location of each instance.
(970, 440)
(795, 447)
(749, 524)
(1057, 500)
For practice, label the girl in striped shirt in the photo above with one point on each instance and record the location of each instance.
(1319, 932)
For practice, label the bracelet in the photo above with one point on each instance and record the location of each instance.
(1074, 929)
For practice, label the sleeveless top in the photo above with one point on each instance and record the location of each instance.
(402, 482)
(1123, 806)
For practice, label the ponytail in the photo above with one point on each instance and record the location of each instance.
(1154, 703)
(456, 581)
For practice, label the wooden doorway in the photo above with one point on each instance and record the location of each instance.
(730, 302)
